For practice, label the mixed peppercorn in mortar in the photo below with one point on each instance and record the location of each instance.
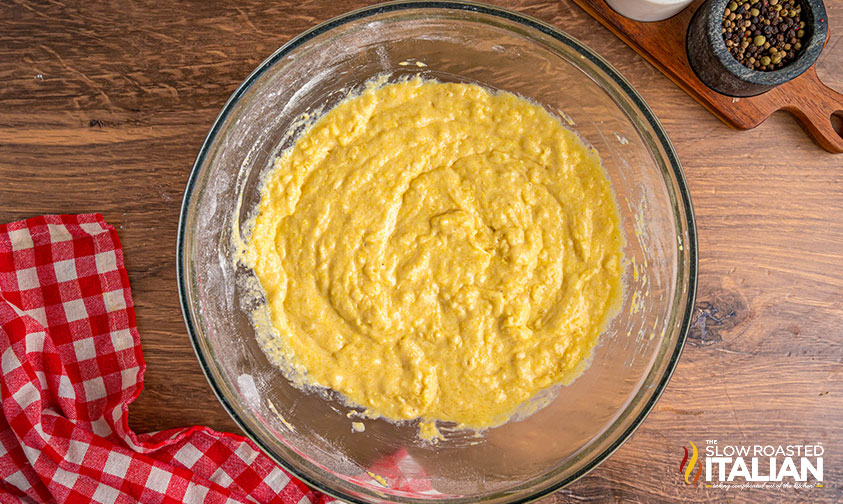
(437, 251)
(763, 34)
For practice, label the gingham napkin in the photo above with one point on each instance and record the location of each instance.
(70, 364)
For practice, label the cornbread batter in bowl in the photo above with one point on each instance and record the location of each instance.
(428, 250)
(436, 251)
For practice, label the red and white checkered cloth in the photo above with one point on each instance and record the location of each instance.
(70, 364)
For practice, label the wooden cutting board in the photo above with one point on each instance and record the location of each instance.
(662, 43)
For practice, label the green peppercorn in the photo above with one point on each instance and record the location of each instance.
(754, 12)
(765, 60)
(797, 46)
(759, 40)
(800, 33)
(733, 6)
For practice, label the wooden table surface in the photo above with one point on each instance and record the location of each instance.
(103, 107)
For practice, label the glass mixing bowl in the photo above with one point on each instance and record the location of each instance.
(311, 435)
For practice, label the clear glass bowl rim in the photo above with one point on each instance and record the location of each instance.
(609, 71)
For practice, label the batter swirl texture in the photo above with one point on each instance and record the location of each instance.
(437, 251)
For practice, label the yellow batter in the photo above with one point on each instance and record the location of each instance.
(437, 251)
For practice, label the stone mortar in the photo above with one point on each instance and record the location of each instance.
(718, 69)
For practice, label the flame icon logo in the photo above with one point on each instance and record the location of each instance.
(690, 467)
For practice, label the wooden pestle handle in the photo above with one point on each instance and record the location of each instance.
(813, 103)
